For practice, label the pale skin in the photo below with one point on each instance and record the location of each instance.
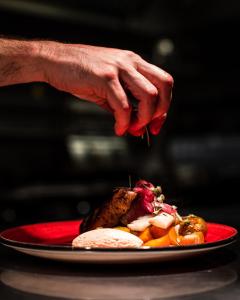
(97, 74)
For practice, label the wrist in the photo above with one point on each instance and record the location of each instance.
(45, 54)
(35, 61)
(58, 59)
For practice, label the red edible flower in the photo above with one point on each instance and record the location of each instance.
(168, 208)
(143, 203)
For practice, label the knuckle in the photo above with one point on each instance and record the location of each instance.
(127, 108)
(152, 92)
(169, 81)
(129, 53)
(132, 55)
(109, 74)
(125, 69)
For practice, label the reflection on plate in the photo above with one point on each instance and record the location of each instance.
(53, 241)
(119, 287)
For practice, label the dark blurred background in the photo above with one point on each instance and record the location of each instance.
(59, 156)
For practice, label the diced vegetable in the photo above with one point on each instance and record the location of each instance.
(157, 232)
(140, 224)
(175, 239)
(161, 242)
(146, 236)
(162, 220)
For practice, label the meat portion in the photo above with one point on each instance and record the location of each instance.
(110, 213)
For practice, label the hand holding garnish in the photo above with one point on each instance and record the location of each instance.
(104, 76)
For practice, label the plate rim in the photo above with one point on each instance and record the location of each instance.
(57, 247)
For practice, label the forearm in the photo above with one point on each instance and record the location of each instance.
(20, 62)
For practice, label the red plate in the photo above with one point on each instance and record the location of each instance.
(53, 240)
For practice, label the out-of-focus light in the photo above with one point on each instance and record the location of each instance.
(83, 146)
(186, 174)
(165, 47)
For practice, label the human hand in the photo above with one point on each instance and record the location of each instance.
(103, 75)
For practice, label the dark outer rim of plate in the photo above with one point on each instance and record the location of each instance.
(223, 242)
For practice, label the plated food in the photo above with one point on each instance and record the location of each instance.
(139, 217)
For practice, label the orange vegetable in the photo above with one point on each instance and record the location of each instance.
(163, 241)
(193, 238)
(173, 236)
(196, 223)
(188, 239)
(158, 232)
(145, 235)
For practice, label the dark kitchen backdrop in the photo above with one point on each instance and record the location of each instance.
(59, 156)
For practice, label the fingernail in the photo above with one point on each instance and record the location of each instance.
(156, 125)
(127, 107)
(135, 126)
(119, 131)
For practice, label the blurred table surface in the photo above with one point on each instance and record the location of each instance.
(211, 276)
